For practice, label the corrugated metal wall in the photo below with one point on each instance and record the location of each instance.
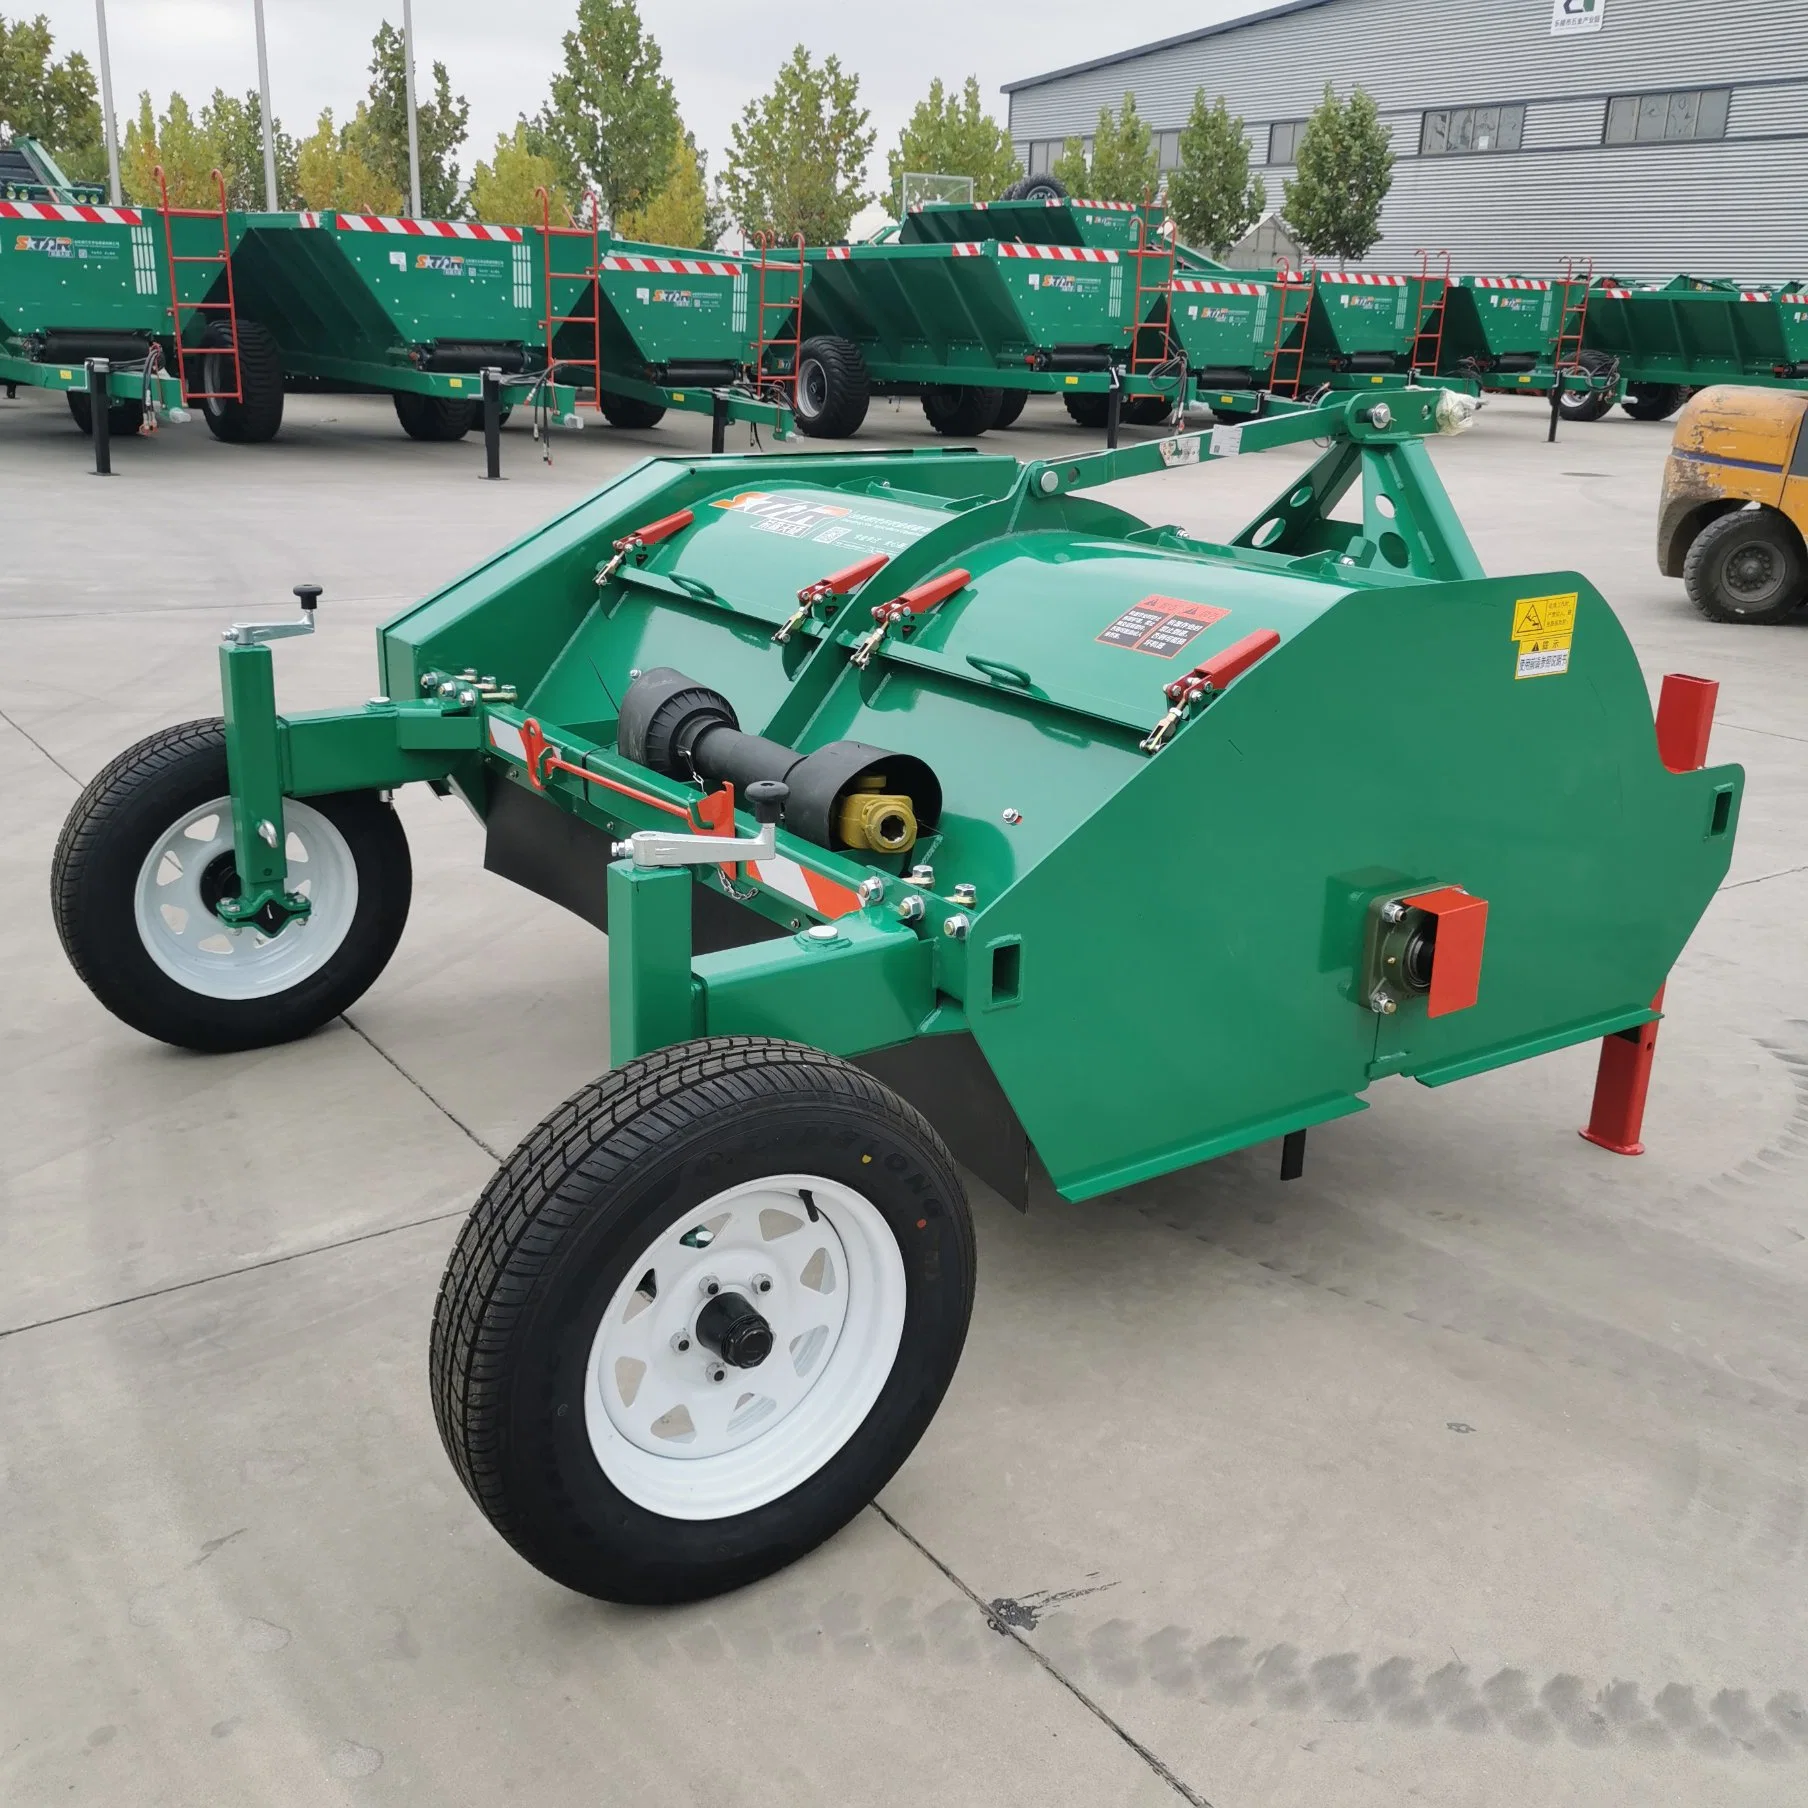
(1737, 206)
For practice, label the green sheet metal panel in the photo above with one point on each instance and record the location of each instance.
(1698, 331)
(1493, 317)
(663, 306)
(1109, 224)
(1224, 324)
(1368, 315)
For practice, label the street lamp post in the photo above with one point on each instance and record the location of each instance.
(264, 118)
(414, 137)
(106, 101)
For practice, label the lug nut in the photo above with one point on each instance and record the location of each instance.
(910, 910)
(1381, 1004)
(966, 894)
(717, 1372)
(955, 927)
(920, 875)
(870, 891)
(680, 1343)
(762, 1283)
(709, 1285)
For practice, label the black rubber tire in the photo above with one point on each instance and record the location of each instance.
(1587, 405)
(1654, 401)
(1147, 410)
(833, 388)
(629, 411)
(555, 1233)
(1752, 556)
(1035, 188)
(257, 415)
(1010, 406)
(123, 418)
(436, 419)
(960, 411)
(105, 841)
(1086, 408)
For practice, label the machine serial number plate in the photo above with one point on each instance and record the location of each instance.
(1162, 625)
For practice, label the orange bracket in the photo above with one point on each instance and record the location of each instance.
(1456, 960)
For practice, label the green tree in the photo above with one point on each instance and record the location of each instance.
(952, 135)
(797, 156)
(331, 172)
(50, 100)
(1346, 166)
(1211, 194)
(234, 129)
(1124, 165)
(505, 192)
(612, 119)
(378, 132)
(1072, 170)
(679, 213)
(177, 142)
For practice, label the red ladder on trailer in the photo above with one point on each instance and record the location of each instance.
(590, 275)
(1145, 364)
(178, 307)
(782, 341)
(1428, 321)
(1290, 283)
(1566, 287)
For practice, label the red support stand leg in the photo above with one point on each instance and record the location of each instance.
(1685, 717)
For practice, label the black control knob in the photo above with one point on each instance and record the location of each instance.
(734, 1328)
(309, 596)
(766, 797)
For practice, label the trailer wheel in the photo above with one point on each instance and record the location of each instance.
(1747, 567)
(1147, 410)
(122, 417)
(700, 1317)
(1035, 188)
(1086, 408)
(1591, 404)
(147, 852)
(961, 411)
(257, 415)
(1010, 406)
(629, 411)
(435, 418)
(1654, 401)
(833, 388)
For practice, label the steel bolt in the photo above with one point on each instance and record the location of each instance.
(870, 891)
(430, 682)
(467, 696)
(920, 875)
(966, 894)
(910, 910)
(823, 932)
(1381, 416)
(1049, 482)
(762, 1283)
(717, 1372)
(1380, 1003)
(1012, 816)
(710, 1285)
(633, 671)
(266, 832)
(680, 1343)
(955, 927)
(1393, 912)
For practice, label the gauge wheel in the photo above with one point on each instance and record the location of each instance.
(700, 1317)
(1747, 567)
(1588, 404)
(254, 413)
(833, 388)
(145, 859)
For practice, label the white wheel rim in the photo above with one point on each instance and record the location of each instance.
(689, 1447)
(198, 951)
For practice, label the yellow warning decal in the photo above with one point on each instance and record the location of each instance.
(1543, 625)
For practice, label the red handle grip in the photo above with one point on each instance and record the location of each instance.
(921, 598)
(1221, 668)
(663, 528)
(851, 577)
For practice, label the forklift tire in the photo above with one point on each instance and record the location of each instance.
(629, 411)
(833, 388)
(147, 851)
(1087, 408)
(960, 411)
(1035, 188)
(1654, 401)
(1591, 404)
(1010, 406)
(257, 415)
(436, 418)
(700, 1318)
(1747, 567)
(122, 417)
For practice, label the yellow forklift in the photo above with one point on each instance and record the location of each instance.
(1735, 504)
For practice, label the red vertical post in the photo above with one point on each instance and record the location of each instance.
(1685, 718)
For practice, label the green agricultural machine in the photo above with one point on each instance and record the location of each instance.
(974, 326)
(86, 307)
(1523, 335)
(937, 810)
(1668, 340)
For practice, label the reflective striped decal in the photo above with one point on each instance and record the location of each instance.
(1362, 276)
(1065, 254)
(671, 266)
(57, 210)
(425, 229)
(1195, 285)
(827, 897)
(1502, 282)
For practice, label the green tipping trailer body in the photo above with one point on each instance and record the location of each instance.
(1363, 328)
(1225, 326)
(79, 281)
(1692, 331)
(422, 307)
(1037, 836)
(1110, 225)
(1502, 333)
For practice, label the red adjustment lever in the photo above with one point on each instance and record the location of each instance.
(1209, 676)
(630, 545)
(905, 608)
(1456, 957)
(837, 583)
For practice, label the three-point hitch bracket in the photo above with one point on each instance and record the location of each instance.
(254, 768)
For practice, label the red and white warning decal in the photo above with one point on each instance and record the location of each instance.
(1503, 282)
(1066, 254)
(1361, 276)
(426, 229)
(58, 210)
(1198, 285)
(671, 266)
(828, 897)
(1162, 625)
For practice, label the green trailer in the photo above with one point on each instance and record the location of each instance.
(420, 309)
(1108, 225)
(1682, 335)
(1353, 329)
(936, 810)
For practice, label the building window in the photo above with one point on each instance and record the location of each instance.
(1283, 140)
(1657, 118)
(1167, 145)
(1456, 130)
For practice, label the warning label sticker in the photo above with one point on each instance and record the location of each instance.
(1161, 625)
(1543, 626)
(825, 523)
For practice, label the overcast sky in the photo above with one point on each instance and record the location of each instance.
(719, 53)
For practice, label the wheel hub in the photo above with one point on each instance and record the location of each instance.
(734, 1328)
(1751, 571)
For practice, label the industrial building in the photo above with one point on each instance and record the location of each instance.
(1650, 135)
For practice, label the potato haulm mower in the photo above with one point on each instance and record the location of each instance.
(923, 795)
